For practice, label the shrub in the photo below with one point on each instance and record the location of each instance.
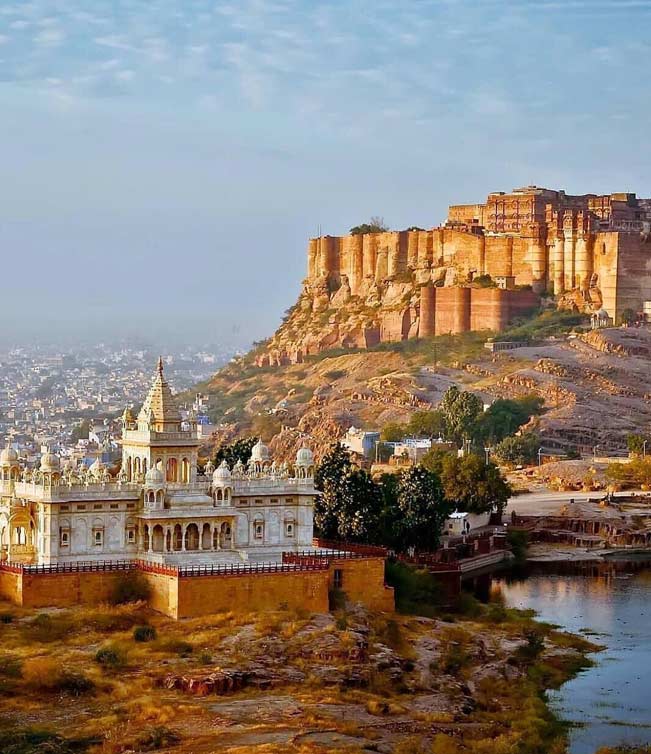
(10, 666)
(144, 633)
(75, 683)
(34, 741)
(45, 628)
(159, 737)
(178, 646)
(534, 646)
(111, 657)
(130, 586)
(46, 674)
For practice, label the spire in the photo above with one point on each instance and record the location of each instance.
(159, 407)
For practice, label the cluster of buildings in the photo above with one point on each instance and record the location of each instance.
(68, 400)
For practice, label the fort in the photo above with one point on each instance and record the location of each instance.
(485, 266)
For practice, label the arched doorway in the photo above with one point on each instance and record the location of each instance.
(205, 537)
(192, 537)
(225, 536)
(157, 538)
(178, 537)
(172, 470)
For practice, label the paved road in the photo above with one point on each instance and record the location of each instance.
(545, 503)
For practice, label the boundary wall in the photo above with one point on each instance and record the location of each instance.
(301, 581)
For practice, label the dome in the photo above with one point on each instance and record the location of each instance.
(305, 457)
(8, 457)
(96, 467)
(222, 473)
(260, 452)
(50, 461)
(154, 476)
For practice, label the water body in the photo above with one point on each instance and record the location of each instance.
(610, 703)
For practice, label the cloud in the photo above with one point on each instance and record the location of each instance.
(49, 38)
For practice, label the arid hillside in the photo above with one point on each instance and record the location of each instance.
(595, 385)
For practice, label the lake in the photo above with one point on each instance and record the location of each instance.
(609, 703)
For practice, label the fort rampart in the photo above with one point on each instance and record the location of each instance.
(303, 582)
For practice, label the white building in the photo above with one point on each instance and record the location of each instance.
(158, 508)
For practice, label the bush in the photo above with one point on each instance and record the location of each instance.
(10, 666)
(46, 674)
(130, 586)
(34, 741)
(159, 737)
(178, 646)
(45, 628)
(534, 646)
(111, 657)
(144, 633)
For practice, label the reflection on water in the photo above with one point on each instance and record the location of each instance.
(611, 702)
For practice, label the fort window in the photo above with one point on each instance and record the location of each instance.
(98, 537)
(289, 528)
(259, 530)
(114, 506)
(338, 578)
(64, 508)
(131, 505)
(603, 247)
(97, 507)
(274, 501)
(131, 536)
(64, 537)
(258, 502)
(81, 507)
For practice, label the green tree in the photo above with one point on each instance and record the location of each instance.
(518, 450)
(423, 509)
(470, 484)
(350, 504)
(240, 450)
(393, 432)
(636, 444)
(427, 424)
(374, 225)
(505, 416)
(334, 463)
(462, 411)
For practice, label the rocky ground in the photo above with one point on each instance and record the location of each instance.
(78, 680)
(595, 387)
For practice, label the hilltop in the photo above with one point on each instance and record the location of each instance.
(595, 385)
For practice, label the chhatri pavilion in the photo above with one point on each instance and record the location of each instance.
(158, 508)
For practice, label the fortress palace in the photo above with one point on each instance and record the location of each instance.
(225, 539)
(488, 264)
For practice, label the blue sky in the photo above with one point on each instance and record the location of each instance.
(164, 161)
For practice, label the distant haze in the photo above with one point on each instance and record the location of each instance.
(163, 163)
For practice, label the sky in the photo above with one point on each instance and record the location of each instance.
(164, 162)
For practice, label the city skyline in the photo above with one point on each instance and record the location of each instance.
(165, 163)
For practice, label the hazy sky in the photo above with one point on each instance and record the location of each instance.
(163, 162)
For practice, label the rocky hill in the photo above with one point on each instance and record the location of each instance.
(595, 385)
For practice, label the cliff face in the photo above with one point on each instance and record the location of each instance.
(362, 290)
